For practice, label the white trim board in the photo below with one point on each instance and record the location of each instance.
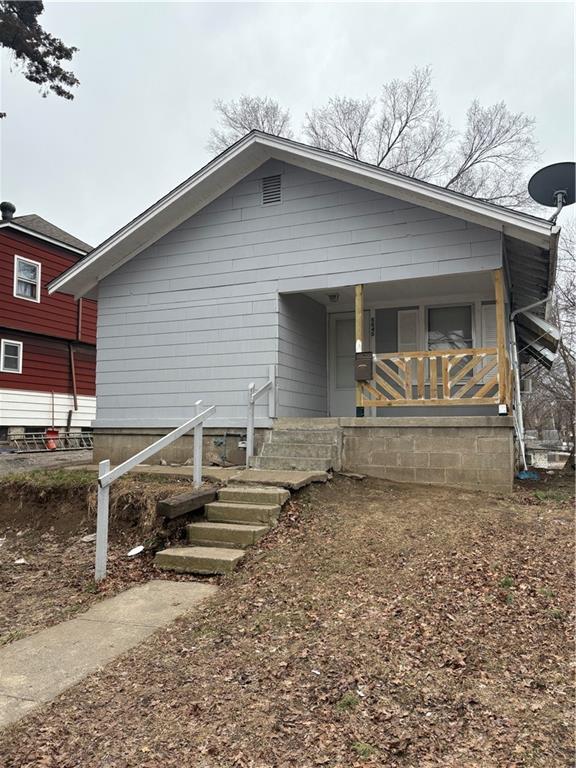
(247, 155)
(20, 346)
(38, 266)
(39, 236)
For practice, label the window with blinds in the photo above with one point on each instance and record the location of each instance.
(26, 279)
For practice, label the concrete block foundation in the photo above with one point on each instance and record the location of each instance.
(474, 452)
(220, 446)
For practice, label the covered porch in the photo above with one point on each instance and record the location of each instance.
(420, 347)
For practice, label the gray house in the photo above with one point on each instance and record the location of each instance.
(383, 308)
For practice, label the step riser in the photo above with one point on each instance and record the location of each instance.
(209, 561)
(241, 518)
(197, 542)
(285, 422)
(299, 450)
(195, 565)
(258, 496)
(291, 462)
(210, 537)
(291, 436)
(249, 514)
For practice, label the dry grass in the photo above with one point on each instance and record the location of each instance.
(377, 625)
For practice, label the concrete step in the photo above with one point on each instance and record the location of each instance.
(300, 450)
(254, 495)
(292, 436)
(244, 514)
(287, 422)
(290, 463)
(232, 535)
(285, 478)
(198, 559)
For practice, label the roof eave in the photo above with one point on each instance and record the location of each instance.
(40, 236)
(151, 215)
(246, 155)
(514, 223)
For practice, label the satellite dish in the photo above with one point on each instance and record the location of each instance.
(554, 186)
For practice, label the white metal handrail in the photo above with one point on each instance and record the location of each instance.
(107, 476)
(253, 395)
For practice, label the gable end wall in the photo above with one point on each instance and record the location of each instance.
(198, 314)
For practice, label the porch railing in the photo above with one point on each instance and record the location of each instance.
(439, 377)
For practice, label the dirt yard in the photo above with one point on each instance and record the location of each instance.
(25, 462)
(46, 570)
(378, 625)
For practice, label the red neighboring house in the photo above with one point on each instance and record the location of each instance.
(47, 343)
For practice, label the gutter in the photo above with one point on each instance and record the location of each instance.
(531, 306)
(553, 264)
(39, 236)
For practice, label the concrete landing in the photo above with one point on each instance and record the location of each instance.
(291, 479)
(38, 668)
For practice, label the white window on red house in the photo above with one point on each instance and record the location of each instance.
(11, 356)
(26, 279)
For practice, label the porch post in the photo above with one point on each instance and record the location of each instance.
(359, 326)
(501, 336)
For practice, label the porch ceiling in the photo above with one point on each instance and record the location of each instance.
(411, 290)
(531, 274)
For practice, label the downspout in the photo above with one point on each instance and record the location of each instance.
(530, 306)
(73, 375)
(519, 415)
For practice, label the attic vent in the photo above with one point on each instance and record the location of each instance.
(271, 190)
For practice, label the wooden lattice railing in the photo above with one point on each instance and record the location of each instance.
(441, 377)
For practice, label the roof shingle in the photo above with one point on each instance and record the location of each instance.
(37, 224)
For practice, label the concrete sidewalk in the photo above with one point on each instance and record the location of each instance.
(38, 668)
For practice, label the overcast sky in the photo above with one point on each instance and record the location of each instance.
(150, 72)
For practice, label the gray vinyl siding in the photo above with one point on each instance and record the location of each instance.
(196, 315)
(302, 384)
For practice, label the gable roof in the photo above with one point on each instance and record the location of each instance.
(35, 225)
(253, 150)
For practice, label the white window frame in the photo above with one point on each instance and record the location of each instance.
(20, 346)
(38, 266)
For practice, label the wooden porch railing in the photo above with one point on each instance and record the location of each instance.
(440, 377)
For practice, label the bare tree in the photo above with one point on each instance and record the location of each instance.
(343, 126)
(494, 149)
(552, 398)
(237, 118)
(409, 132)
(404, 131)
